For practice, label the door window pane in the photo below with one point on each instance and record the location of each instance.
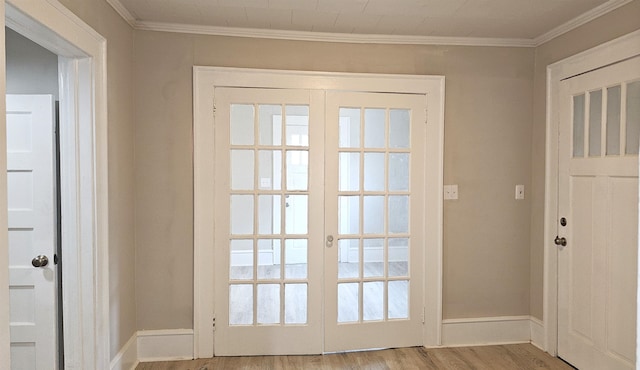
(399, 128)
(269, 214)
(373, 256)
(348, 257)
(240, 304)
(270, 117)
(374, 172)
(241, 122)
(398, 299)
(613, 120)
(633, 117)
(295, 258)
(297, 169)
(297, 122)
(241, 259)
(399, 172)
(348, 214)
(398, 257)
(595, 123)
(270, 169)
(295, 303)
(268, 303)
(373, 214)
(348, 302)
(241, 214)
(296, 214)
(242, 169)
(373, 301)
(349, 171)
(349, 121)
(374, 135)
(398, 214)
(269, 258)
(578, 126)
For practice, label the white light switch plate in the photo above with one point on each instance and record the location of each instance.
(451, 192)
(519, 192)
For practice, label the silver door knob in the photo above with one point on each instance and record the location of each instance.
(329, 241)
(560, 241)
(40, 261)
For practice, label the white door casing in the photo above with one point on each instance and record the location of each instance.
(598, 198)
(31, 190)
(206, 79)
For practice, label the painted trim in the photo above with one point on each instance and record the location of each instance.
(486, 331)
(127, 357)
(610, 52)
(165, 345)
(366, 38)
(537, 332)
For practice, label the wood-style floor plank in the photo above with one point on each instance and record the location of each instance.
(505, 357)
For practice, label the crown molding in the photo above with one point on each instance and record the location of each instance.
(331, 37)
(123, 11)
(580, 20)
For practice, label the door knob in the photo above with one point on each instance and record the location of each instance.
(329, 241)
(560, 241)
(40, 261)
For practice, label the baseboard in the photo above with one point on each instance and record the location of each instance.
(537, 333)
(127, 358)
(486, 331)
(165, 345)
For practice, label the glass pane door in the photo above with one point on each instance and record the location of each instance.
(268, 294)
(374, 195)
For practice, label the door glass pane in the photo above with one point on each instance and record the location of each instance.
(633, 117)
(348, 214)
(374, 172)
(349, 171)
(348, 257)
(270, 118)
(295, 258)
(399, 128)
(241, 122)
(374, 135)
(373, 256)
(398, 299)
(296, 214)
(241, 259)
(373, 214)
(297, 169)
(595, 123)
(398, 257)
(268, 303)
(269, 214)
(578, 126)
(349, 136)
(348, 302)
(270, 169)
(269, 258)
(242, 169)
(295, 303)
(241, 214)
(399, 172)
(373, 301)
(240, 304)
(613, 120)
(297, 122)
(398, 214)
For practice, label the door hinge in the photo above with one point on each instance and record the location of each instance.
(214, 322)
(214, 109)
(423, 314)
(426, 116)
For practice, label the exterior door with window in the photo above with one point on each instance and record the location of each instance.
(598, 217)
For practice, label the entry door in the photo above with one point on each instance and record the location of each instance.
(598, 199)
(30, 176)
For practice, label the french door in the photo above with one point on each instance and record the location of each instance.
(319, 198)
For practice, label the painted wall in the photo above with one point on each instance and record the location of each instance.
(101, 16)
(487, 152)
(31, 69)
(617, 23)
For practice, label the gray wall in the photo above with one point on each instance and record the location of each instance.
(31, 69)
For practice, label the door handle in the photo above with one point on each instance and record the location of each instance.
(560, 241)
(40, 261)
(329, 241)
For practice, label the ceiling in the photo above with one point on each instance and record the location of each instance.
(474, 19)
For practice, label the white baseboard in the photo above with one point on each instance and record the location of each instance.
(486, 331)
(537, 333)
(165, 345)
(127, 358)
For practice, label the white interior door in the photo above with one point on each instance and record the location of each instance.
(30, 174)
(598, 217)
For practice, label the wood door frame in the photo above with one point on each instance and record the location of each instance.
(205, 79)
(600, 56)
(83, 151)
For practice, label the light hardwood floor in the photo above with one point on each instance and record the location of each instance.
(506, 357)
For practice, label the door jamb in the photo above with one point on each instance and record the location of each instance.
(83, 126)
(611, 52)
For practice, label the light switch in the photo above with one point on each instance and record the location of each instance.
(451, 192)
(519, 192)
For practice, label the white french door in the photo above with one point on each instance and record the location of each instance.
(319, 198)
(598, 217)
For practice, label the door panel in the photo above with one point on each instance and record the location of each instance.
(30, 177)
(598, 195)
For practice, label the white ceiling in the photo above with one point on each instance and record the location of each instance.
(491, 19)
